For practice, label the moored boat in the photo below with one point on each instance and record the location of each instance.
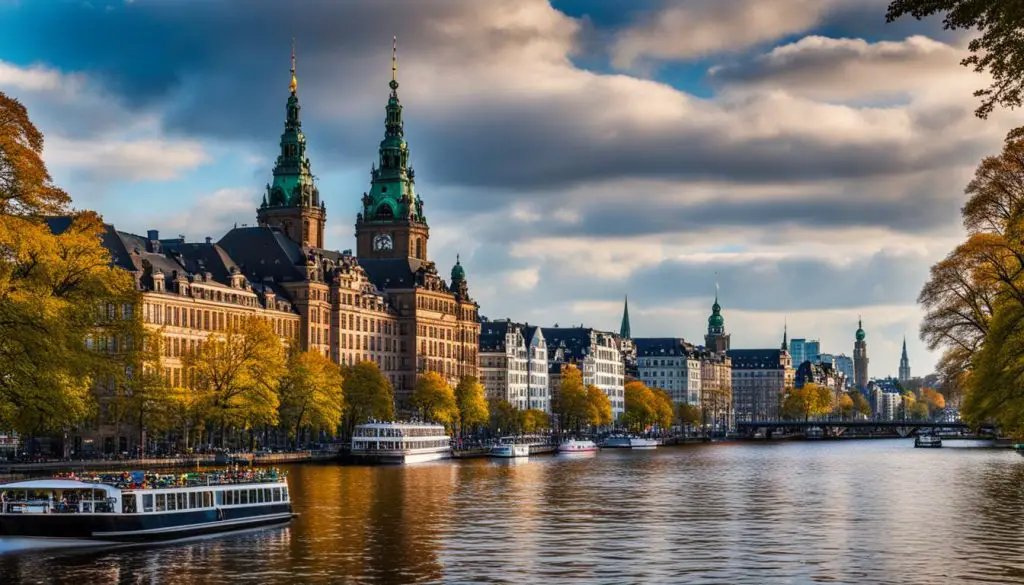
(577, 446)
(507, 448)
(927, 441)
(628, 442)
(138, 506)
(401, 442)
(815, 433)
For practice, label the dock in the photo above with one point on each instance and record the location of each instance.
(166, 462)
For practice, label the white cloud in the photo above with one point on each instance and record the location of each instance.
(105, 159)
(210, 215)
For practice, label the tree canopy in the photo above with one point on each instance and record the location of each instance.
(646, 407)
(599, 407)
(435, 400)
(472, 404)
(311, 394)
(368, 395)
(809, 401)
(571, 403)
(999, 49)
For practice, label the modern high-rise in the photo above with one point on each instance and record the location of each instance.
(844, 364)
(804, 350)
(860, 358)
(904, 363)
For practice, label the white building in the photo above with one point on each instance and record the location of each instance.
(504, 362)
(538, 395)
(670, 364)
(598, 356)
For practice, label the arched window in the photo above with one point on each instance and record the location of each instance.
(305, 230)
(419, 248)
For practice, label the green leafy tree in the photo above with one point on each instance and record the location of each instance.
(435, 400)
(505, 418)
(368, 395)
(311, 394)
(472, 403)
(690, 415)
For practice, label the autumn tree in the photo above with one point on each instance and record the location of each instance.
(599, 407)
(811, 400)
(435, 400)
(237, 374)
(368, 395)
(663, 410)
(933, 399)
(861, 406)
(472, 404)
(845, 406)
(690, 415)
(999, 49)
(505, 418)
(572, 404)
(56, 285)
(535, 420)
(142, 393)
(646, 407)
(311, 394)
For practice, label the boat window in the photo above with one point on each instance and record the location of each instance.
(284, 494)
(172, 502)
(161, 503)
(277, 494)
(259, 494)
(99, 495)
(182, 501)
(147, 502)
(128, 504)
(252, 496)
(207, 499)
(192, 500)
(219, 495)
(245, 497)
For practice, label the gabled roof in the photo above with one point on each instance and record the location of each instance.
(264, 252)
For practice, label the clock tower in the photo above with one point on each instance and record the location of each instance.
(392, 224)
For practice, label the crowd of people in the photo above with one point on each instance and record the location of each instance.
(143, 480)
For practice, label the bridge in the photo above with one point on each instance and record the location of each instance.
(835, 428)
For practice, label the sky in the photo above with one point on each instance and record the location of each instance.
(804, 154)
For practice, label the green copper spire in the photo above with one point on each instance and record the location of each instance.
(624, 327)
(716, 322)
(293, 184)
(392, 195)
(860, 330)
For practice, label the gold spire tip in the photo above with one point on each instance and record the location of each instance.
(394, 58)
(295, 82)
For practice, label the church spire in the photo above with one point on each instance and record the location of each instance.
(785, 336)
(904, 356)
(624, 327)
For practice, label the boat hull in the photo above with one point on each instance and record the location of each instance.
(403, 458)
(510, 451)
(142, 527)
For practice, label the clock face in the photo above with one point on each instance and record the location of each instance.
(383, 243)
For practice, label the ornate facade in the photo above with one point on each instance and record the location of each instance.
(387, 303)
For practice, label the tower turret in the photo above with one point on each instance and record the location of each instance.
(392, 223)
(292, 200)
(860, 357)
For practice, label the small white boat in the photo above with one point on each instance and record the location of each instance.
(814, 433)
(506, 448)
(577, 446)
(628, 442)
(927, 441)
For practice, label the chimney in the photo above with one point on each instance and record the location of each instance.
(153, 234)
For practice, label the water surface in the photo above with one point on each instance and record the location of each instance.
(821, 512)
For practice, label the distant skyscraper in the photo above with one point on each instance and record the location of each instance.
(797, 351)
(904, 363)
(860, 358)
(812, 350)
(844, 364)
(827, 358)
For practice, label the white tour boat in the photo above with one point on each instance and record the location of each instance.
(628, 442)
(928, 441)
(401, 442)
(507, 447)
(577, 446)
(138, 506)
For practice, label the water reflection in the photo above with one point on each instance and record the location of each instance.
(840, 512)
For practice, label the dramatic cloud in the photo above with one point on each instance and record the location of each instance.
(849, 69)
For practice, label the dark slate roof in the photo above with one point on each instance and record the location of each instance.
(658, 346)
(574, 340)
(493, 334)
(529, 331)
(264, 252)
(387, 273)
(755, 359)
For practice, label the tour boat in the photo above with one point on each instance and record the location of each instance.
(507, 448)
(814, 433)
(627, 442)
(138, 506)
(577, 446)
(401, 442)
(927, 441)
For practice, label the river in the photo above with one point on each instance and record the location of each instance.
(818, 512)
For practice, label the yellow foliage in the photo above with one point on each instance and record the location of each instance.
(435, 400)
(311, 394)
(368, 395)
(646, 407)
(810, 400)
(472, 404)
(572, 403)
(599, 407)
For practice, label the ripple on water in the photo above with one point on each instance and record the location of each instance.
(843, 512)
